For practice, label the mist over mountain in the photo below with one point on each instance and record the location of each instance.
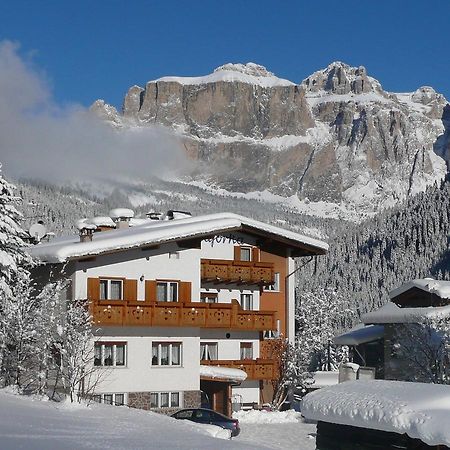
(336, 137)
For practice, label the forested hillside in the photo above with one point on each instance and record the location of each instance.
(365, 263)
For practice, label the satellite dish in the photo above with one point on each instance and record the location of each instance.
(37, 231)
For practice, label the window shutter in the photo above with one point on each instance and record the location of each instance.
(130, 290)
(185, 291)
(255, 254)
(237, 253)
(150, 290)
(93, 288)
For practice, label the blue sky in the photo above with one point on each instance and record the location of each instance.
(91, 49)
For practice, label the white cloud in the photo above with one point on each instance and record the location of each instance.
(39, 139)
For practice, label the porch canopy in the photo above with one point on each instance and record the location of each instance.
(360, 335)
(222, 374)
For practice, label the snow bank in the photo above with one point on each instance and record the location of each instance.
(323, 378)
(255, 416)
(420, 410)
(27, 422)
(223, 373)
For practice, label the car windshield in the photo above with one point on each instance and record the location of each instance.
(185, 414)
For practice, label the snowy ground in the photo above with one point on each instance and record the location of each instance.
(32, 424)
(276, 430)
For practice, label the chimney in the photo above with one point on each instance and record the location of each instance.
(86, 230)
(121, 217)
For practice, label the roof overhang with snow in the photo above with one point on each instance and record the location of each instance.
(422, 292)
(219, 373)
(360, 335)
(181, 230)
(420, 410)
(391, 313)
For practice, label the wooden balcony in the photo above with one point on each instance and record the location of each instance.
(177, 314)
(256, 369)
(240, 272)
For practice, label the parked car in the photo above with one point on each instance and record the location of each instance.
(203, 415)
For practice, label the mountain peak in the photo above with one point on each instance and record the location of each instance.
(252, 69)
(341, 78)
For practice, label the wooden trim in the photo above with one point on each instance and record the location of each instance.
(150, 290)
(130, 289)
(237, 252)
(93, 288)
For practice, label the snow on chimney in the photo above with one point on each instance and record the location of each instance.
(103, 223)
(121, 217)
(86, 230)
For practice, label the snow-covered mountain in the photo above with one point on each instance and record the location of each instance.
(336, 137)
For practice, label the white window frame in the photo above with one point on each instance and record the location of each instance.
(108, 288)
(247, 301)
(243, 348)
(245, 249)
(167, 283)
(100, 398)
(209, 295)
(275, 287)
(206, 345)
(170, 353)
(169, 393)
(114, 346)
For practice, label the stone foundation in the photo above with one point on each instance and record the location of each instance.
(141, 400)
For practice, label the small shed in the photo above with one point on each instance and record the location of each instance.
(380, 414)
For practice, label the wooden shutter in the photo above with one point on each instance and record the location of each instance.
(130, 290)
(237, 253)
(255, 254)
(150, 290)
(93, 288)
(185, 292)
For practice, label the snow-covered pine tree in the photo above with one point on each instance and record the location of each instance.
(12, 256)
(320, 315)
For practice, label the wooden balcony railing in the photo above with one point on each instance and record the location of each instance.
(256, 369)
(177, 314)
(241, 272)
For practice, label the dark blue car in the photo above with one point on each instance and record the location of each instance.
(203, 415)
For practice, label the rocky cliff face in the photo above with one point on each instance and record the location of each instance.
(335, 137)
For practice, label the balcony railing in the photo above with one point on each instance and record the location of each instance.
(241, 272)
(256, 369)
(177, 314)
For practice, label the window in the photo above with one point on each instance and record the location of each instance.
(208, 297)
(246, 254)
(247, 301)
(174, 255)
(109, 354)
(110, 399)
(164, 400)
(275, 287)
(111, 289)
(167, 291)
(246, 350)
(166, 354)
(208, 351)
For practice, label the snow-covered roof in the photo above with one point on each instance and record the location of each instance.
(155, 232)
(250, 73)
(391, 313)
(429, 285)
(223, 373)
(103, 221)
(418, 409)
(118, 213)
(360, 335)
